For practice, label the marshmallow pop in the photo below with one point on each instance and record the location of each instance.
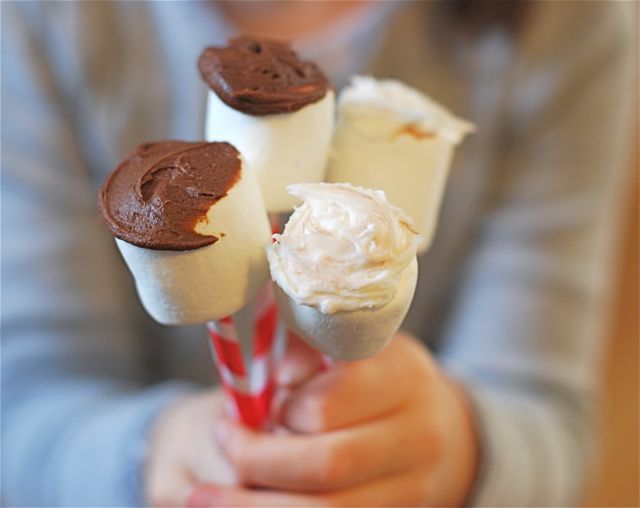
(277, 109)
(345, 269)
(190, 223)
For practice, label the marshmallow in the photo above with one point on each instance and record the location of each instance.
(393, 138)
(280, 149)
(350, 335)
(345, 268)
(194, 286)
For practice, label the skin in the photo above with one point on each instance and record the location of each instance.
(288, 19)
(389, 430)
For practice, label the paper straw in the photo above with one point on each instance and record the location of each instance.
(245, 366)
(248, 384)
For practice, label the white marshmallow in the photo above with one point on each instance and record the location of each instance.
(393, 138)
(280, 149)
(345, 269)
(350, 335)
(199, 285)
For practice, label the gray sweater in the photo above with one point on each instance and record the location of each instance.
(510, 298)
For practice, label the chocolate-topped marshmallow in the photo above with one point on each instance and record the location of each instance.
(190, 223)
(276, 108)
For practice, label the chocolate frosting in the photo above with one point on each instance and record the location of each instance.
(261, 76)
(161, 190)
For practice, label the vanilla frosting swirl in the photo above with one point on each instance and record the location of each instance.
(343, 249)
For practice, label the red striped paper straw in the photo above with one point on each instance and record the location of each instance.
(246, 376)
(246, 366)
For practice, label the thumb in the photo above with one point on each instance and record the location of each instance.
(203, 496)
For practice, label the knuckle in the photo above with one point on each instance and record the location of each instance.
(322, 413)
(425, 367)
(415, 355)
(417, 495)
(328, 470)
(426, 436)
(236, 452)
(159, 489)
(362, 372)
(432, 438)
(317, 410)
(335, 500)
(421, 491)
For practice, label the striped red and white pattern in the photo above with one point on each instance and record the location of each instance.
(246, 366)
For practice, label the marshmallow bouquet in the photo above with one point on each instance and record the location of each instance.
(192, 219)
(345, 269)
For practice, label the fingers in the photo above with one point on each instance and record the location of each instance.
(408, 488)
(164, 486)
(328, 461)
(350, 393)
(411, 488)
(214, 495)
(300, 363)
(172, 465)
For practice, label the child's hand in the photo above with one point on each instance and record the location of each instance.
(390, 430)
(183, 451)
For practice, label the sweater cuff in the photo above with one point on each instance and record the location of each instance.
(112, 446)
(504, 476)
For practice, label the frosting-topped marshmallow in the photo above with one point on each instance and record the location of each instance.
(343, 249)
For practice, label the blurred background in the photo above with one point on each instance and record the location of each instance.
(617, 480)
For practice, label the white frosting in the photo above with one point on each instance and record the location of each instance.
(382, 107)
(343, 249)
